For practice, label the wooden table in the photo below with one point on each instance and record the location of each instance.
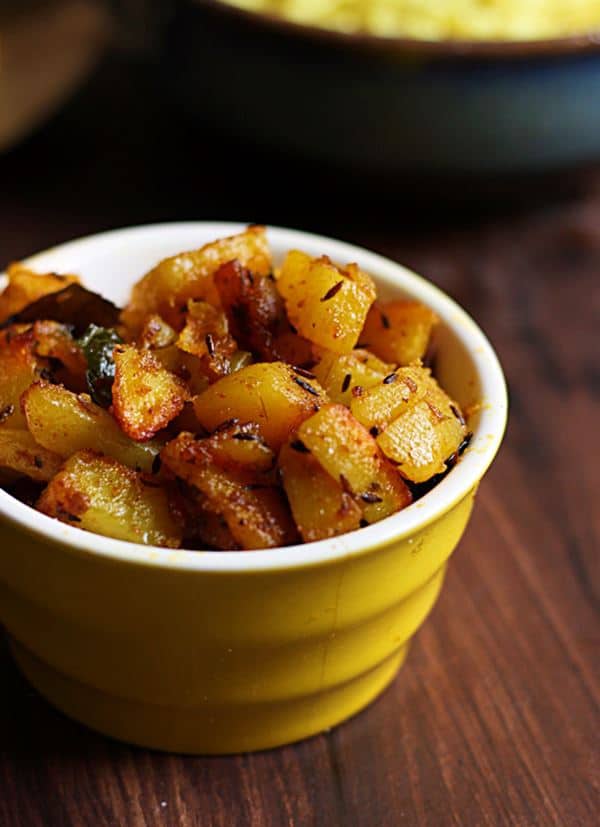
(494, 719)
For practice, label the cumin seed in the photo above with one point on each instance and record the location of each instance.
(332, 291)
(210, 344)
(369, 497)
(303, 372)
(305, 386)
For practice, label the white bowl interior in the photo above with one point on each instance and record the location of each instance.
(111, 262)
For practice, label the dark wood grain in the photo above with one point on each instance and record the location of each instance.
(495, 718)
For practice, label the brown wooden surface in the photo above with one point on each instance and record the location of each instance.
(494, 719)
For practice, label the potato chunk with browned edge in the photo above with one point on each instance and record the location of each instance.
(344, 375)
(19, 367)
(274, 395)
(167, 288)
(255, 512)
(327, 304)
(377, 406)
(351, 456)
(99, 494)
(146, 396)
(320, 505)
(24, 287)
(421, 440)
(19, 452)
(399, 331)
(66, 422)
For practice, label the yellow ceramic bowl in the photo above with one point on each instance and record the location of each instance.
(217, 652)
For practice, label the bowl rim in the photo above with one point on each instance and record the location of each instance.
(457, 485)
(582, 43)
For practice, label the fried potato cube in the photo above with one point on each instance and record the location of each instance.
(421, 440)
(202, 527)
(24, 287)
(348, 452)
(206, 335)
(19, 368)
(239, 447)
(20, 452)
(253, 306)
(320, 506)
(256, 514)
(146, 396)
(327, 304)
(273, 395)
(53, 340)
(399, 331)
(101, 495)
(156, 333)
(377, 406)
(66, 422)
(341, 374)
(167, 288)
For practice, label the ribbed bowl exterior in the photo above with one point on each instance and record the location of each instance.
(217, 662)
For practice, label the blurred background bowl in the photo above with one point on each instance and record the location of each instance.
(386, 105)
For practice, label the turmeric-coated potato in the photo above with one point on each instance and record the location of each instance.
(345, 375)
(399, 331)
(146, 396)
(66, 422)
(99, 494)
(422, 439)
(19, 452)
(24, 287)
(327, 304)
(320, 505)
(273, 395)
(377, 406)
(167, 288)
(350, 455)
(255, 512)
(19, 367)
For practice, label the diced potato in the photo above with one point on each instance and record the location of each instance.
(66, 422)
(380, 404)
(167, 288)
(24, 287)
(99, 494)
(253, 306)
(203, 527)
(426, 436)
(146, 397)
(256, 514)
(239, 448)
(206, 335)
(188, 367)
(20, 452)
(156, 333)
(350, 455)
(320, 505)
(272, 394)
(340, 374)
(19, 368)
(327, 304)
(399, 331)
(294, 349)
(54, 341)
